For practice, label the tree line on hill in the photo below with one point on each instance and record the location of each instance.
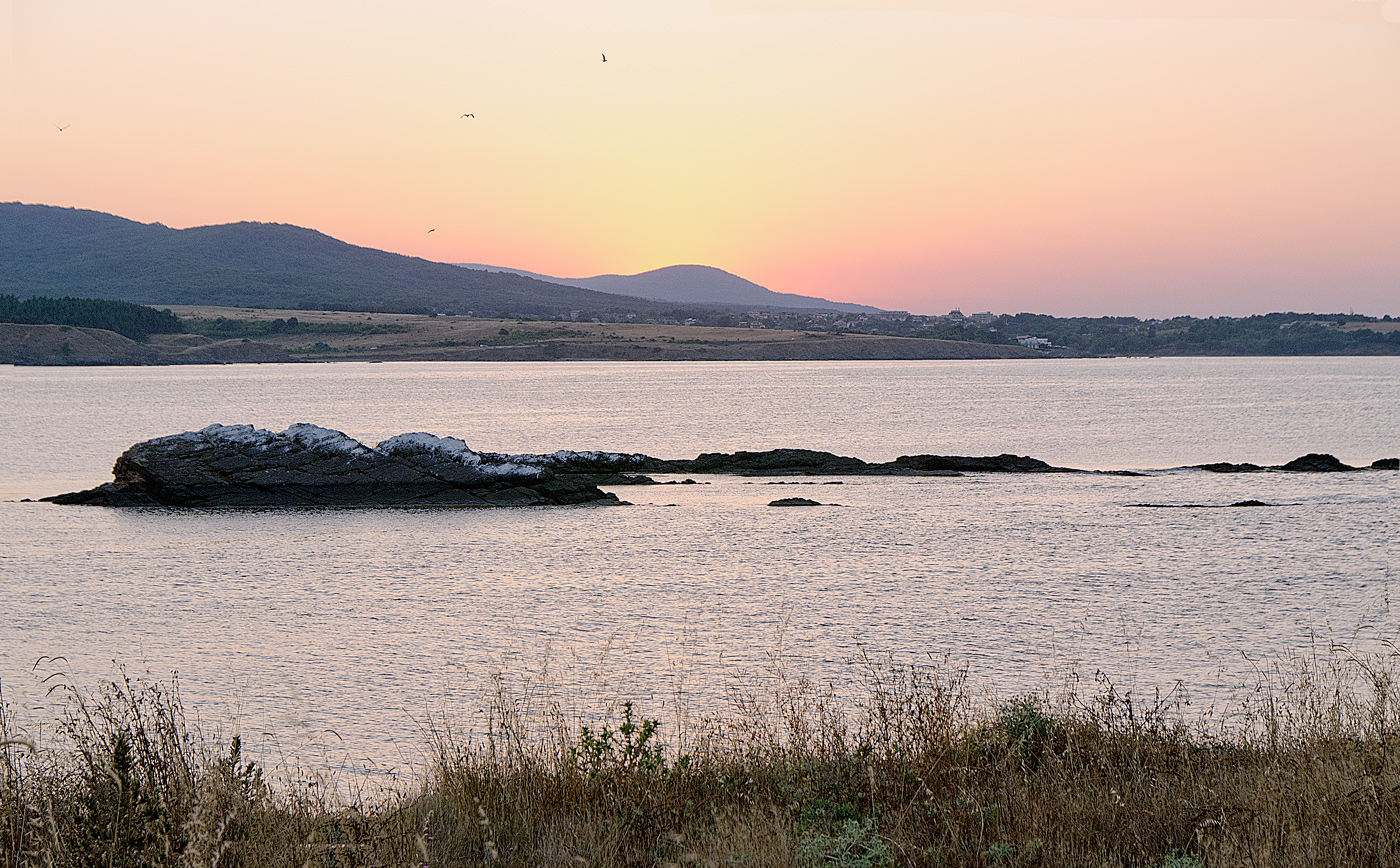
(134, 321)
(1273, 334)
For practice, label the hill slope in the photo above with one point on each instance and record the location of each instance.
(48, 251)
(692, 284)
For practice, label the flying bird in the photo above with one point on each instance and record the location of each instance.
(605, 58)
(434, 229)
(467, 115)
(64, 127)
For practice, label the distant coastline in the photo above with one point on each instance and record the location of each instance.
(229, 335)
(240, 335)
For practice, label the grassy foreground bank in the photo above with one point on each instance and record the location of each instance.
(1304, 769)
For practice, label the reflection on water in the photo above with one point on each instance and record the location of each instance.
(364, 621)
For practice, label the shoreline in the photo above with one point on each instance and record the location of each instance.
(915, 767)
(239, 335)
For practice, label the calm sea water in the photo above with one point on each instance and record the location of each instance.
(342, 631)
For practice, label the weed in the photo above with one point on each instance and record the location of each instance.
(852, 844)
(631, 747)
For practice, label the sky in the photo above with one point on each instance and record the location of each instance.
(1144, 158)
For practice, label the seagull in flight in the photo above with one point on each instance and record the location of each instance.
(467, 115)
(434, 229)
(605, 58)
(62, 128)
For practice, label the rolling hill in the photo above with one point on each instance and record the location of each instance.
(50, 251)
(692, 284)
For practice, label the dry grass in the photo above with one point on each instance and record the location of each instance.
(419, 337)
(1300, 771)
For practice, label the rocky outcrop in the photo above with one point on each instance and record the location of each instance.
(794, 501)
(1313, 462)
(1004, 463)
(1227, 467)
(1316, 462)
(308, 466)
(777, 462)
(807, 462)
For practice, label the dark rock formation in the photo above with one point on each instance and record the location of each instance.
(1003, 463)
(778, 462)
(308, 466)
(1316, 462)
(614, 479)
(1313, 462)
(1226, 467)
(807, 462)
(1199, 505)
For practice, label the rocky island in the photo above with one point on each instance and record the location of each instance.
(310, 466)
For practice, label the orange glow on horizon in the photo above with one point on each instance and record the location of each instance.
(914, 158)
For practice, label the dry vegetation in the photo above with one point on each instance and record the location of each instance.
(419, 337)
(1301, 772)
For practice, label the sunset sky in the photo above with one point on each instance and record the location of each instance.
(1072, 157)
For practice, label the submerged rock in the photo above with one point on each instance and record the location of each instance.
(1227, 467)
(309, 466)
(794, 501)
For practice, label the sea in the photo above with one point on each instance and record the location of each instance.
(340, 639)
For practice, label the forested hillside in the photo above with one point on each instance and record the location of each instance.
(134, 321)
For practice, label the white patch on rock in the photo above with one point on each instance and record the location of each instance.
(419, 443)
(244, 434)
(453, 449)
(324, 439)
(301, 434)
(565, 456)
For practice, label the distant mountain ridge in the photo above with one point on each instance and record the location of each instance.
(691, 284)
(56, 252)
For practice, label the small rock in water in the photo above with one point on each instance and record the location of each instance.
(1386, 464)
(794, 501)
(1251, 503)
